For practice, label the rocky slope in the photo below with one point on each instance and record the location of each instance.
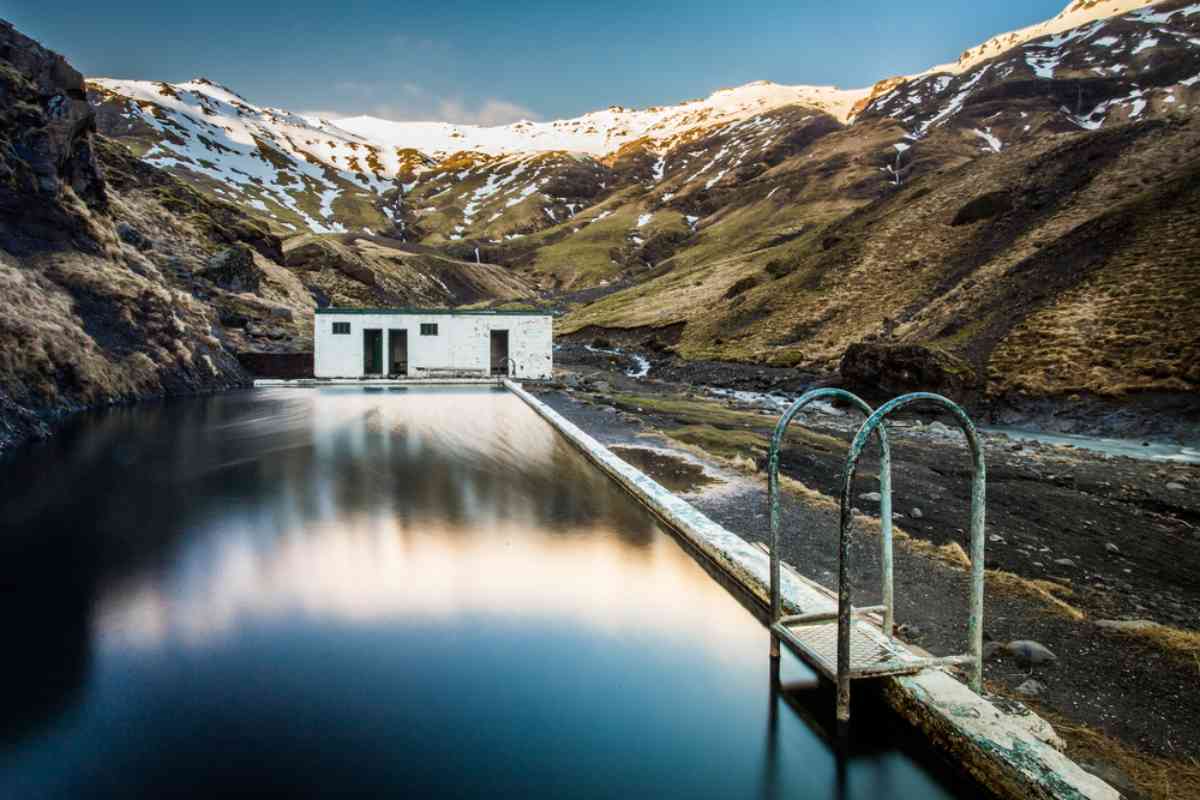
(121, 281)
(939, 229)
(1023, 228)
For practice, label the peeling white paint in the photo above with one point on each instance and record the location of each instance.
(462, 341)
(1007, 752)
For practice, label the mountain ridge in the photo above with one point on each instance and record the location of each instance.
(748, 227)
(310, 174)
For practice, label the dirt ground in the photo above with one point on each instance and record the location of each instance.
(1074, 539)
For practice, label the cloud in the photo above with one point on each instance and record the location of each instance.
(411, 102)
(421, 106)
(492, 111)
(321, 114)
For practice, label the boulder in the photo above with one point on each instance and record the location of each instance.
(48, 96)
(983, 207)
(132, 236)
(1030, 653)
(901, 368)
(315, 253)
(234, 269)
(1127, 624)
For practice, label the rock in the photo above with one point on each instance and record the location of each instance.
(1127, 624)
(940, 429)
(1112, 548)
(1065, 562)
(1031, 688)
(896, 369)
(916, 513)
(740, 286)
(983, 207)
(234, 269)
(132, 236)
(315, 254)
(1176, 487)
(871, 497)
(46, 146)
(1029, 652)
(1114, 777)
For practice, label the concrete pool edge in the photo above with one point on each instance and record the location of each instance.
(999, 750)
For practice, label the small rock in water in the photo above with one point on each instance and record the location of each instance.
(1176, 487)
(1029, 652)
(1112, 548)
(915, 513)
(1031, 688)
(939, 428)
(1064, 562)
(871, 497)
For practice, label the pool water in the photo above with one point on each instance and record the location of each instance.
(349, 592)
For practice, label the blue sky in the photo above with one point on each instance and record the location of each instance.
(491, 62)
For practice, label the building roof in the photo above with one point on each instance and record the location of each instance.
(487, 312)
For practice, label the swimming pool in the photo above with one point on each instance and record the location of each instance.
(347, 591)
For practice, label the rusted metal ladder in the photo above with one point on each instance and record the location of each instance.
(853, 647)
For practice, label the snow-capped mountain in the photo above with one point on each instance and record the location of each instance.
(1098, 62)
(270, 160)
(1110, 70)
(601, 132)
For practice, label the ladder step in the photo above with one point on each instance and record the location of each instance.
(822, 616)
(871, 655)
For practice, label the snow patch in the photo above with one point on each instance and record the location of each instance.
(994, 142)
(1145, 44)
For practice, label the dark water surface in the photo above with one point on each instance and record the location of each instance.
(342, 592)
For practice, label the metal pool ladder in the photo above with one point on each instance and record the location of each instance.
(845, 645)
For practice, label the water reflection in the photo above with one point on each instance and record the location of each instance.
(336, 592)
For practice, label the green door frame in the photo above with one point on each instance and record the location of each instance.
(372, 351)
(397, 337)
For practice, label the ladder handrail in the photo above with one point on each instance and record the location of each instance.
(978, 508)
(885, 501)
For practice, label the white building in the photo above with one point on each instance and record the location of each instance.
(402, 342)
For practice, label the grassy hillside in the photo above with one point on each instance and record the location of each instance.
(1065, 266)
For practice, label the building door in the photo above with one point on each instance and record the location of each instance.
(373, 351)
(397, 351)
(500, 362)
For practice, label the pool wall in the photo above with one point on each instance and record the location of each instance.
(1012, 754)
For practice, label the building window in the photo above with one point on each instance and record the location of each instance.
(341, 327)
(429, 329)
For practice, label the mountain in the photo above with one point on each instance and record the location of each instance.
(440, 183)
(601, 132)
(1075, 15)
(122, 281)
(296, 175)
(1012, 227)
